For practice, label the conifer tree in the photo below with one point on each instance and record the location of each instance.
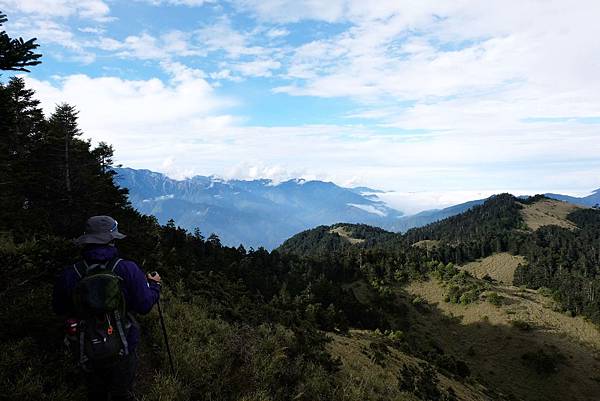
(21, 125)
(17, 54)
(62, 131)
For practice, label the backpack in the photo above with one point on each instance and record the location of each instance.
(100, 306)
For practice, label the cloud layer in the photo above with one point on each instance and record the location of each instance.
(440, 96)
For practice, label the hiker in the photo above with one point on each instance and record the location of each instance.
(97, 296)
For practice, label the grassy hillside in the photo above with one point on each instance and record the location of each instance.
(546, 212)
(506, 344)
(500, 267)
(515, 341)
(371, 366)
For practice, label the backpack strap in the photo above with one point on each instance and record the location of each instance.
(121, 330)
(78, 269)
(112, 265)
(82, 356)
(82, 268)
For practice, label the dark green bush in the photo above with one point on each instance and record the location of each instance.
(494, 298)
(522, 325)
(543, 362)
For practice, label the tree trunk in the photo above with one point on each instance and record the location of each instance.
(67, 167)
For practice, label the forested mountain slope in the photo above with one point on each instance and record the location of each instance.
(564, 256)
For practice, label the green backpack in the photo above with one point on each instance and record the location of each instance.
(100, 306)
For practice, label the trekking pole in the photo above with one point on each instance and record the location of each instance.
(164, 330)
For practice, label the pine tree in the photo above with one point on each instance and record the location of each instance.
(21, 125)
(62, 131)
(70, 180)
(16, 54)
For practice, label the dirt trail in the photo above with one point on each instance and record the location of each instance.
(347, 235)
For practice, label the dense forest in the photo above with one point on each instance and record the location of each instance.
(254, 323)
(565, 261)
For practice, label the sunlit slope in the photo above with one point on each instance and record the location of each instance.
(519, 346)
(545, 212)
(371, 369)
(469, 328)
(500, 267)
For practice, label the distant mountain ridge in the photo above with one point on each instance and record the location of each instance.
(589, 201)
(263, 213)
(253, 213)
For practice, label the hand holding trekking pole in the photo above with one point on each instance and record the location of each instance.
(156, 277)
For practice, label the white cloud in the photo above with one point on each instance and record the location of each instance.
(292, 11)
(224, 74)
(182, 127)
(238, 54)
(221, 36)
(422, 51)
(145, 46)
(50, 21)
(92, 30)
(189, 3)
(90, 9)
(465, 98)
(47, 31)
(369, 209)
(257, 68)
(473, 72)
(142, 118)
(277, 32)
(250, 171)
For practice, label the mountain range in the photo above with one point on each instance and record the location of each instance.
(589, 201)
(264, 213)
(253, 213)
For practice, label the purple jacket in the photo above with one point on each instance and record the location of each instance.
(140, 295)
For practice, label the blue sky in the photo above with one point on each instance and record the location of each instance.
(437, 102)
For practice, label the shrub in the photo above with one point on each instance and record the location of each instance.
(470, 296)
(165, 387)
(421, 381)
(395, 335)
(219, 360)
(494, 298)
(445, 272)
(378, 351)
(30, 373)
(522, 325)
(544, 363)
(462, 287)
(546, 292)
(454, 366)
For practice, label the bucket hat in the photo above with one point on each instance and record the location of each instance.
(100, 230)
